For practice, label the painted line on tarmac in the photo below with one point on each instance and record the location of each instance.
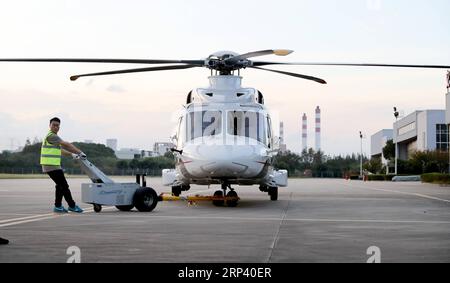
(40, 217)
(402, 193)
(28, 217)
(175, 217)
(277, 235)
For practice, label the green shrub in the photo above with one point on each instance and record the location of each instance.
(436, 178)
(380, 177)
(376, 178)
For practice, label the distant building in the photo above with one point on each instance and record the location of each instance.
(378, 142)
(88, 141)
(447, 100)
(421, 131)
(112, 143)
(128, 153)
(161, 148)
(148, 153)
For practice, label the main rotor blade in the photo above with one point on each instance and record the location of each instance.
(150, 69)
(293, 75)
(99, 60)
(279, 52)
(258, 63)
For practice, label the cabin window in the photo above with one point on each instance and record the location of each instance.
(203, 124)
(248, 124)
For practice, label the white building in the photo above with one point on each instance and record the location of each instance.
(112, 143)
(421, 131)
(447, 100)
(148, 153)
(378, 142)
(128, 153)
(161, 148)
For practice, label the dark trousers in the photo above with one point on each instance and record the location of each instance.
(62, 188)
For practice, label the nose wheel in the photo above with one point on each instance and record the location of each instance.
(231, 198)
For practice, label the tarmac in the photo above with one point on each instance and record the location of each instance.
(314, 220)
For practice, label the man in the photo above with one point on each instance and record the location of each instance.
(3, 241)
(52, 149)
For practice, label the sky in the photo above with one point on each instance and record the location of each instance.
(140, 109)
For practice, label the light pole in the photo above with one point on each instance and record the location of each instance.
(396, 114)
(361, 160)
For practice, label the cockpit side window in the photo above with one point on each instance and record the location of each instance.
(203, 124)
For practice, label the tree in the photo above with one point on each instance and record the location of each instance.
(389, 150)
(374, 165)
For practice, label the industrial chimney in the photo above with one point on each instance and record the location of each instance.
(304, 132)
(318, 146)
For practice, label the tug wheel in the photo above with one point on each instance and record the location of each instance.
(97, 207)
(145, 199)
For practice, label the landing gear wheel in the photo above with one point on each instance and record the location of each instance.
(97, 207)
(218, 202)
(176, 191)
(124, 207)
(145, 199)
(232, 203)
(273, 193)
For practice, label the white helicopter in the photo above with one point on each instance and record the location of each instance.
(224, 135)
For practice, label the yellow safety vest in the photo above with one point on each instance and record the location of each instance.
(50, 154)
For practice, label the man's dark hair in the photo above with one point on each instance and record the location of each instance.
(56, 119)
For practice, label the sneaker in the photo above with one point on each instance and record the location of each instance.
(3, 241)
(76, 209)
(60, 209)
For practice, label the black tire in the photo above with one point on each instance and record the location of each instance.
(218, 202)
(232, 203)
(124, 207)
(273, 193)
(176, 191)
(145, 199)
(97, 207)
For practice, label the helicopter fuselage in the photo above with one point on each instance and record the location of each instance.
(224, 135)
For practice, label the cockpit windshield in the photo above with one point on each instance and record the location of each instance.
(248, 124)
(203, 124)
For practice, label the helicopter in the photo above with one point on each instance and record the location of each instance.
(224, 133)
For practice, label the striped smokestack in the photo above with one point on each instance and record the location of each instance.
(318, 147)
(281, 133)
(304, 132)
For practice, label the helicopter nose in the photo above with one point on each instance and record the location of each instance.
(225, 160)
(226, 152)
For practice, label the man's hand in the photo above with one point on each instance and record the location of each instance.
(80, 155)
